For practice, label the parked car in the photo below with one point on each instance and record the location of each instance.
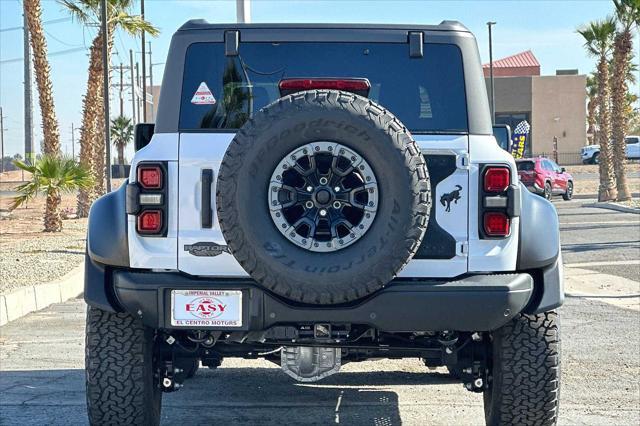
(544, 177)
(590, 153)
(278, 209)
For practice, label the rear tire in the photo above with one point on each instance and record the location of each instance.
(525, 373)
(119, 363)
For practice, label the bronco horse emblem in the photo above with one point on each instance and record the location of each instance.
(454, 196)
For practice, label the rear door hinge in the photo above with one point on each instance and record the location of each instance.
(416, 44)
(231, 43)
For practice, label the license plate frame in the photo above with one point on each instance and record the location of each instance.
(210, 308)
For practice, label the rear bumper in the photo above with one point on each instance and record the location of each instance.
(475, 303)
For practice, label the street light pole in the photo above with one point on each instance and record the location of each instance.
(490, 24)
(105, 90)
(133, 88)
(138, 85)
(243, 11)
(144, 69)
(153, 100)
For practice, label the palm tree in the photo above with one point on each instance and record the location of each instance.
(92, 149)
(51, 175)
(627, 16)
(598, 36)
(592, 106)
(121, 135)
(33, 13)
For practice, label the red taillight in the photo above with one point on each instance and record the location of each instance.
(497, 179)
(150, 177)
(359, 86)
(150, 222)
(496, 224)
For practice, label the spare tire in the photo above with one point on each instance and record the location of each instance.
(323, 197)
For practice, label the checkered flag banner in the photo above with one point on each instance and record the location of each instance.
(519, 139)
(522, 128)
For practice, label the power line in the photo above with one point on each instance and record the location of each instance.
(61, 52)
(60, 41)
(53, 21)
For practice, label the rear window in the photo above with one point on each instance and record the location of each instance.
(525, 166)
(222, 92)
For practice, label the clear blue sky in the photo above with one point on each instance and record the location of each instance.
(545, 27)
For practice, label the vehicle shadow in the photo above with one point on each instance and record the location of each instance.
(267, 396)
(251, 396)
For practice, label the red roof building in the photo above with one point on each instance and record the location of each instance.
(523, 64)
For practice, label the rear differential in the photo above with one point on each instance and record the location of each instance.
(310, 364)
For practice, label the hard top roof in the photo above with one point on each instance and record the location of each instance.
(202, 24)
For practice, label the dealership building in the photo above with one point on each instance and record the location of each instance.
(554, 105)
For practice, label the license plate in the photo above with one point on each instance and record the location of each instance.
(206, 308)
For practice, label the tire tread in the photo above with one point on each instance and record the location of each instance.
(116, 365)
(526, 377)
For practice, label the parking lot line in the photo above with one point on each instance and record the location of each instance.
(609, 222)
(603, 263)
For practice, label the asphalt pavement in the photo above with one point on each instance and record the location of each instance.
(42, 381)
(598, 239)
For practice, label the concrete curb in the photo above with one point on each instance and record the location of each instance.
(613, 206)
(33, 298)
(594, 196)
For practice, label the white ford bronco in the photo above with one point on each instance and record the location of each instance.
(317, 195)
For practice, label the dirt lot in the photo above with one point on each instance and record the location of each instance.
(587, 178)
(29, 255)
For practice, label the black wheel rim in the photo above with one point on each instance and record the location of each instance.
(323, 196)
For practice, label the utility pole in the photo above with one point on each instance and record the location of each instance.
(153, 99)
(1, 141)
(490, 24)
(243, 11)
(133, 88)
(144, 69)
(29, 155)
(105, 90)
(140, 118)
(121, 90)
(73, 142)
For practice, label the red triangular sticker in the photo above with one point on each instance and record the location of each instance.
(203, 96)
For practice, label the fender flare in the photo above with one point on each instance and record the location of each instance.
(107, 247)
(539, 243)
(107, 241)
(539, 252)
